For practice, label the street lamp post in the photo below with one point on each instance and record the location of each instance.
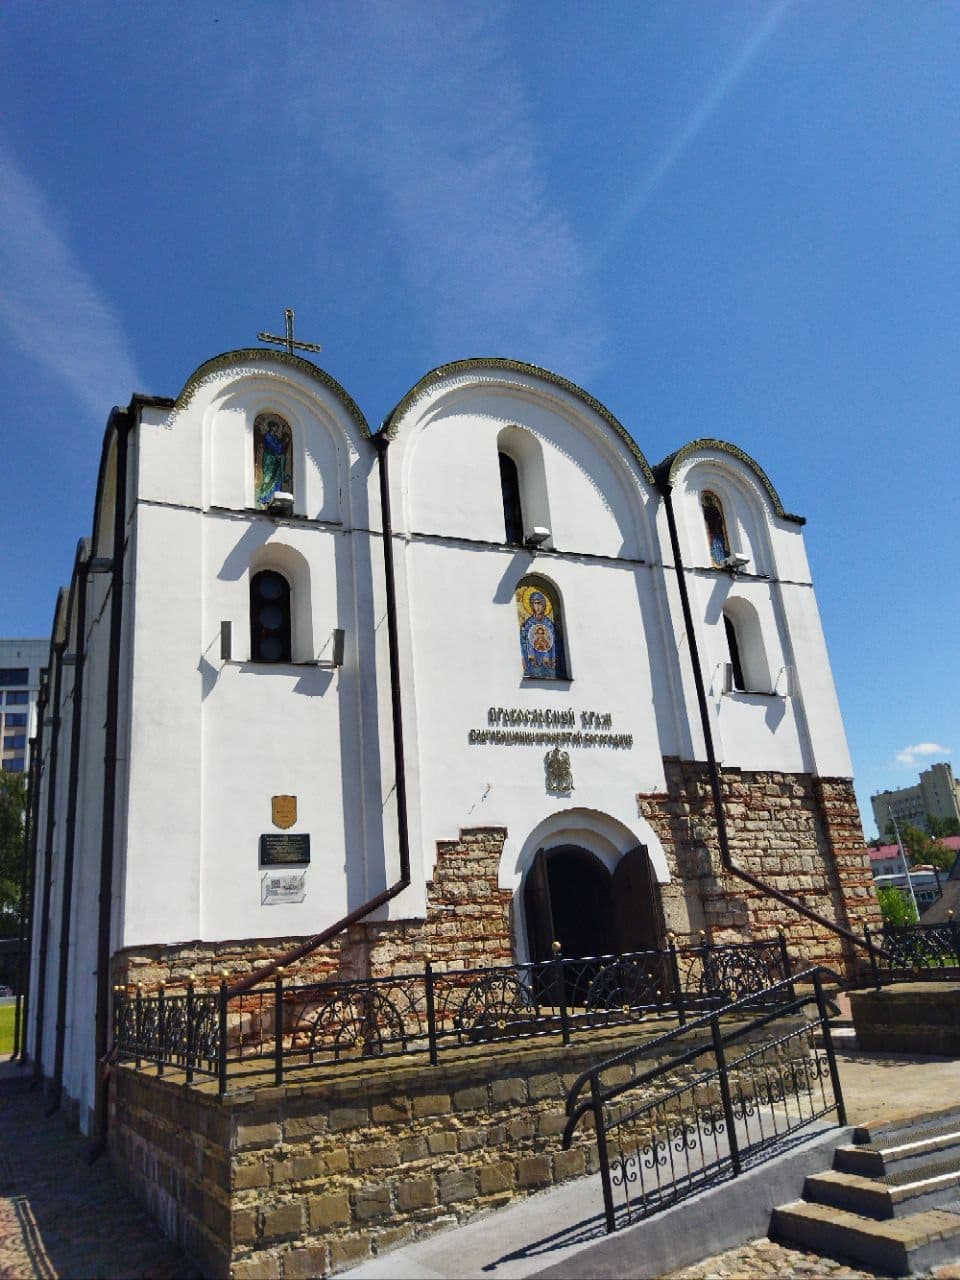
(906, 867)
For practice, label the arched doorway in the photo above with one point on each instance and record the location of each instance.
(570, 897)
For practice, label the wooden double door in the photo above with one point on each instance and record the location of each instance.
(570, 897)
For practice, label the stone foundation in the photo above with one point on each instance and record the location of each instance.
(911, 1017)
(802, 835)
(468, 922)
(311, 1178)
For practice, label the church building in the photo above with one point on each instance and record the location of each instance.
(479, 683)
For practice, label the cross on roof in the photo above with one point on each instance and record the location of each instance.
(288, 339)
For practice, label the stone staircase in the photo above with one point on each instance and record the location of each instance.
(890, 1203)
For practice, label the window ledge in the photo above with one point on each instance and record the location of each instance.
(309, 664)
(753, 693)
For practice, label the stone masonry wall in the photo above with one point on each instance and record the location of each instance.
(468, 922)
(310, 1178)
(800, 834)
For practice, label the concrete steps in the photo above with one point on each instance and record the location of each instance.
(891, 1202)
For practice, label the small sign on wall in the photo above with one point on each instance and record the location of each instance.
(276, 887)
(288, 850)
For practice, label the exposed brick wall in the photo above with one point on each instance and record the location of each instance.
(468, 922)
(800, 834)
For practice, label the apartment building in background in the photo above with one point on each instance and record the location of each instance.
(937, 794)
(21, 664)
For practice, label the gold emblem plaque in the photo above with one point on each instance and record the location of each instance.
(284, 811)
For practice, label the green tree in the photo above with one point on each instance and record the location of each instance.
(923, 849)
(13, 798)
(940, 827)
(896, 907)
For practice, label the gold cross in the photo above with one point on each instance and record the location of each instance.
(288, 340)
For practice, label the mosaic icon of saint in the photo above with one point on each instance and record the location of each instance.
(273, 467)
(540, 641)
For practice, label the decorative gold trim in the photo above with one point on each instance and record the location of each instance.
(479, 363)
(261, 355)
(667, 469)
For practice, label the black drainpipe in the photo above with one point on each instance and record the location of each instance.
(123, 420)
(71, 830)
(715, 784)
(27, 909)
(48, 861)
(32, 774)
(380, 442)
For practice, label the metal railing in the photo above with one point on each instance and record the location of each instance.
(712, 1108)
(287, 1026)
(915, 952)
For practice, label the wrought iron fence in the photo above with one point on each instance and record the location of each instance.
(288, 1026)
(915, 952)
(708, 1111)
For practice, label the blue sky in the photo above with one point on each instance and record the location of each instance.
(737, 220)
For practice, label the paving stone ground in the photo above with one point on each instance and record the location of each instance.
(59, 1216)
(762, 1258)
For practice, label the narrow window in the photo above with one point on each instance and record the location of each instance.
(733, 645)
(510, 489)
(541, 631)
(269, 617)
(716, 528)
(272, 457)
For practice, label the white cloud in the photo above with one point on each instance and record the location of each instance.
(919, 752)
(49, 306)
(423, 102)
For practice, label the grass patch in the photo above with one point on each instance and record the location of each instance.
(6, 1028)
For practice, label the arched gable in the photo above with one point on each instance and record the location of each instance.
(450, 428)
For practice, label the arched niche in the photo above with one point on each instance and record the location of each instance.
(745, 641)
(288, 562)
(523, 449)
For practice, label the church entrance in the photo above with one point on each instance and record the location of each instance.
(570, 897)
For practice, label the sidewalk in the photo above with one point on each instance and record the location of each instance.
(60, 1217)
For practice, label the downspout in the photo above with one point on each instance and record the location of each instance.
(71, 830)
(380, 442)
(48, 863)
(36, 763)
(124, 423)
(22, 968)
(715, 784)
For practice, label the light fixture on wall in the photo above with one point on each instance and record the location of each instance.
(537, 536)
(281, 504)
(336, 660)
(735, 563)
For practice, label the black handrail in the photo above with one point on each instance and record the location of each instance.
(685, 1120)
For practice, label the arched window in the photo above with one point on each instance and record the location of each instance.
(542, 645)
(510, 490)
(272, 457)
(733, 645)
(269, 617)
(716, 528)
(749, 666)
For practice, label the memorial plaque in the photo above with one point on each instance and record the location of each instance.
(275, 888)
(284, 851)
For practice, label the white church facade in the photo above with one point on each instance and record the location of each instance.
(487, 667)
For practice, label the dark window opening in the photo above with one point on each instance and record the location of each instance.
(14, 675)
(734, 646)
(716, 529)
(510, 490)
(269, 617)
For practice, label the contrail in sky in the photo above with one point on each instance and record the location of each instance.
(688, 132)
(50, 306)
